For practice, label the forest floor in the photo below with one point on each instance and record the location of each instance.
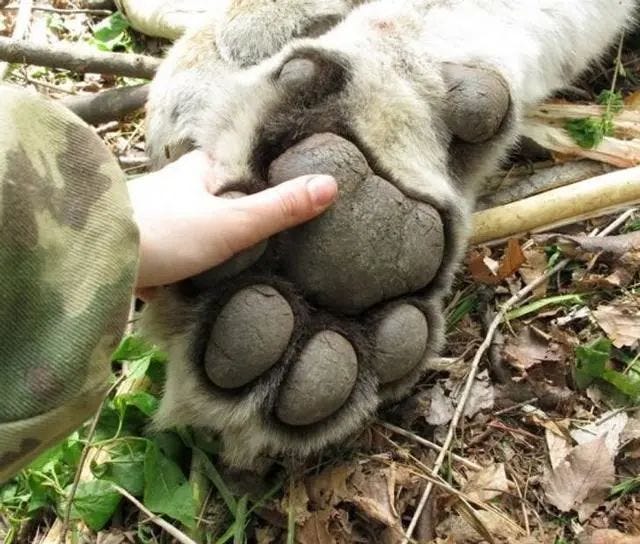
(546, 451)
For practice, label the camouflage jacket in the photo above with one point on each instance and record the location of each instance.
(68, 257)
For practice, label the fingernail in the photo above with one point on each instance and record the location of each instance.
(323, 190)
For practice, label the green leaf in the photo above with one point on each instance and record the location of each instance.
(166, 489)
(125, 467)
(216, 479)
(241, 521)
(143, 401)
(94, 503)
(628, 383)
(591, 361)
(112, 33)
(588, 132)
(626, 487)
(134, 347)
(612, 100)
(544, 302)
(466, 305)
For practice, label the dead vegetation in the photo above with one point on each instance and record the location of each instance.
(526, 431)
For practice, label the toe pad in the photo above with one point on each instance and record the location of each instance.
(248, 337)
(320, 381)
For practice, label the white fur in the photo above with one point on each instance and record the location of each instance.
(394, 101)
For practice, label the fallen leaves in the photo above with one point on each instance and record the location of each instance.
(582, 481)
(485, 270)
(488, 483)
(375, 493)
(580, 478)
(609, 536)
(529, 348)
(609, 426)
(621, 322)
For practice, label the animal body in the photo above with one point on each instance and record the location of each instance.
(294, 344)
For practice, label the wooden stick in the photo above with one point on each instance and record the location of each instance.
(78, 58)
(564, 205)
(19, 30)
(62, 11)
(107, 105)
(613, 151)
(98, 4)
(510, 187)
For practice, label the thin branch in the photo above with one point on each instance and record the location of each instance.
(427, 443)
(76, 479)
(19, 30)
(473, 371)
(107, 105)
(78, 58)
(49, 9)
(164, 525)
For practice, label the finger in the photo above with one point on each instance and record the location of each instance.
(281, 207)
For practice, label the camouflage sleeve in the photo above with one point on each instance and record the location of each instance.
(68, 257)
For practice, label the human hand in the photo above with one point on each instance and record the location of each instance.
(185, 230)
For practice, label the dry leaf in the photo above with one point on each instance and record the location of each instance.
(621, 276)
(483, 269)
(513, 259)
(440, 408)
(609, 427)
(328, 488)
(481, 396)
(616, 246)
(583, 480)
(315, 530)
(631, 430)
(609, 536)
(558, 446)
(621, 322)
(298, 500)
(529, 349)
(266, 535)
(534, 268)
(373, 498)
(488, 483)
(463, 533)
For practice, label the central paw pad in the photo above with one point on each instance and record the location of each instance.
(334, 317)
(374, 244)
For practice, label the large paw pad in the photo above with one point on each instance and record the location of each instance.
(299, 348)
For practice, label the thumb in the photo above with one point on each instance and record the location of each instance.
(284, 206)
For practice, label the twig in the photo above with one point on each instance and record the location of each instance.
(49, 9)
(107, 105)
(508, 409)
(98, 4)
(76, 479)
(19, 31)
(500, 316)
(164, 525)
(427, 443)
(134, 162)
(78, 58)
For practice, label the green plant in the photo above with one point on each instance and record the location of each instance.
(589, 132)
